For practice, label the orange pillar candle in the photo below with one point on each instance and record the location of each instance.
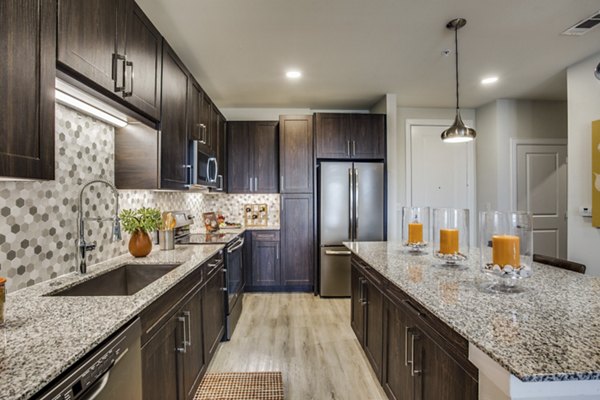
(506, 250)
(415, 233)
(448, 241)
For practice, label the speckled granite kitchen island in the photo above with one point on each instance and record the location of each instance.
(543, 343)
(43, 336)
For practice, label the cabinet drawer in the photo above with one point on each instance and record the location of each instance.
(369, 272)
(265, 236)
(157, 314)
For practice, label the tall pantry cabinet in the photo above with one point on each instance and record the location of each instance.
(297, 203)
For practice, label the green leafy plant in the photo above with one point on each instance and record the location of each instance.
(142, 219)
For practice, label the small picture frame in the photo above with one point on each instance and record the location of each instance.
(210, 222)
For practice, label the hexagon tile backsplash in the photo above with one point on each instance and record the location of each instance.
(38, 220)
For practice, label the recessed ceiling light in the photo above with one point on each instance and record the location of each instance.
(295, 74)
(489, 81)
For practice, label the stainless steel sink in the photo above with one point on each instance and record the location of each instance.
(123, 281)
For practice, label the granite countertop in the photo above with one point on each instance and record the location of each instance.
(43, 336)
(550, 332)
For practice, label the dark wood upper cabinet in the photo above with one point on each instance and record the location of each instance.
(239, 157)
(332, 136)
(252, 156)
(296, 153)
(368, 136)
(113, 47)
(174, 166)
(350, 136)
(297, 241)
(143, 49)
(27, 72)
(91, 40)
(265, 137)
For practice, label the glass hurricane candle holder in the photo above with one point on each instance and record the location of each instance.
(415, 228)
(506, 248)
(450, 235)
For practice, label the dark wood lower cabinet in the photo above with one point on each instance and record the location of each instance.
(297, 241)
(181, 332)
(414, 354)
(194, 361)
(161, 363)
(265, 260)
(214, 312)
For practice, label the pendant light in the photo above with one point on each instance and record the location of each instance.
(458, 132)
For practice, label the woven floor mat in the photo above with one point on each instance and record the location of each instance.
(241, 386)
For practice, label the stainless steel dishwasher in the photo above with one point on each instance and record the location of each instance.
(112, 371)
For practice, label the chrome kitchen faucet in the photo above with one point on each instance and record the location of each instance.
(82, 246)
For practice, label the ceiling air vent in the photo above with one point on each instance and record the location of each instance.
(583, 26)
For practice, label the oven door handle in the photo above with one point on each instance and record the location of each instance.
(239, 244)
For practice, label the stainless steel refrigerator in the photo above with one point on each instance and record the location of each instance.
(351, 208)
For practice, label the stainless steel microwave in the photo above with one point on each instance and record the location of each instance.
(205, 168)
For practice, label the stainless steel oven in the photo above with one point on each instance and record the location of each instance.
(205, 168)
(234, 279)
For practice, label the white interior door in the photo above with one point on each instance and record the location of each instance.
(440, 174)
(541, 184)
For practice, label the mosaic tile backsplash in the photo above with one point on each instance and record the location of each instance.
(38, 220)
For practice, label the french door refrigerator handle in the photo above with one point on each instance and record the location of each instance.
(355, 203)
(351, 204)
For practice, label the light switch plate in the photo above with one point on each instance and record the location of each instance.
(585, 211)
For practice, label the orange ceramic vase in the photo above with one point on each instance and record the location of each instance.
(140, 244)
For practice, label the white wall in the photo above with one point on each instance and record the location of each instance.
(497, 123)
(388, 105)
(583, 91)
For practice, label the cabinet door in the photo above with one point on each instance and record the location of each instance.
(205, 121)
(296, 154)
(213, 130)
(265, 263)
(397, 381)
(214, 313)
(27, 63)
(91, 34)
(265, 148)
(436, 374)
(297, 241)
(373, 340)
(239, 158)
(195, 129)
(143, 48)
(174, 166)
(193, 359)
(162, 361)
(357, 320)
(368, 136)
(221, 154)
(333, 136)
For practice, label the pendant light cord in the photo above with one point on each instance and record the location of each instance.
(456, 62)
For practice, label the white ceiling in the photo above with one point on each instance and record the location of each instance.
(353, 51)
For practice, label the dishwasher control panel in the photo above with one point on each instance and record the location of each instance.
(93, 371)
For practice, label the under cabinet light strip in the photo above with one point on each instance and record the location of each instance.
(68, 100)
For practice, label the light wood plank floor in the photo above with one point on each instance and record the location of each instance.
(308, 339)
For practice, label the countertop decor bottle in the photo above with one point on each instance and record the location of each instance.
(450, 235)
(415, 228)
(506, 249)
